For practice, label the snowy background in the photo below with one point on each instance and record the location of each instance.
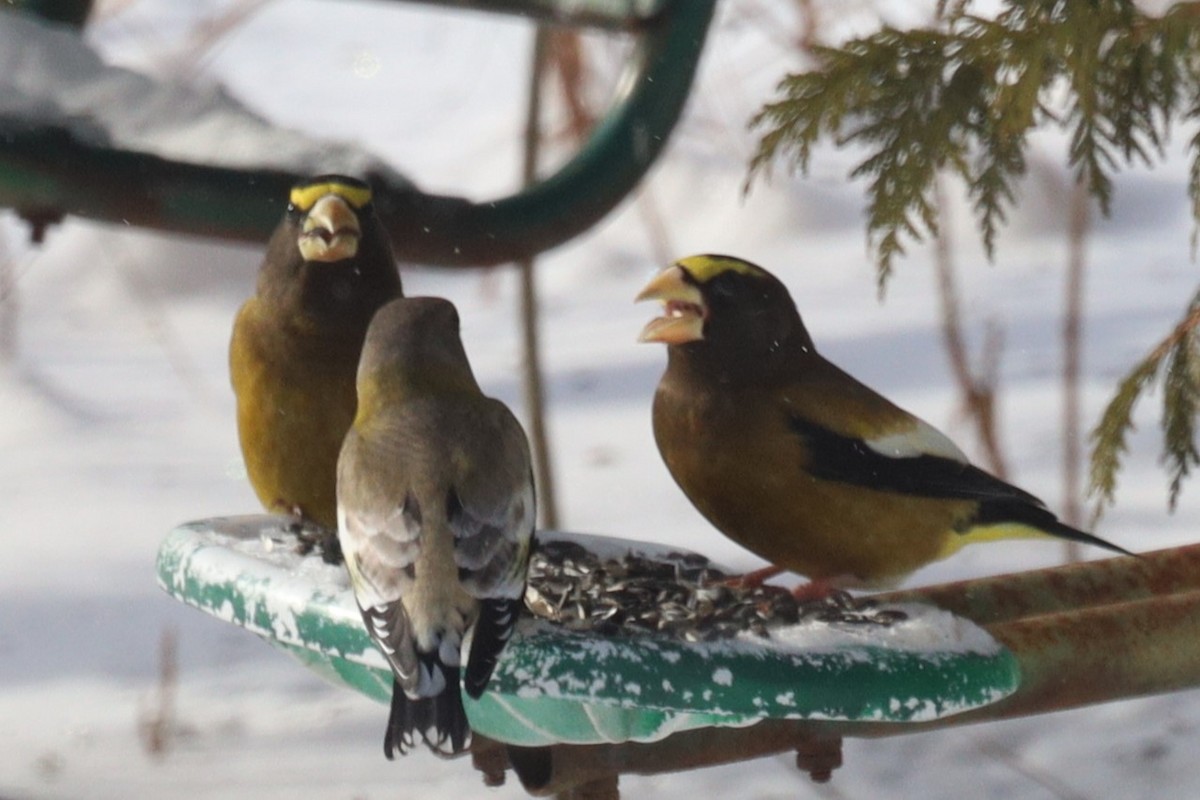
(116, 420)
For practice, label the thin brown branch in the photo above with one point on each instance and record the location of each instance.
(810, 26)
(1072, 466)
(1185, 327)
(208, 34)
(566, 61)
(157, 724)
(534, 386)
(977, 391)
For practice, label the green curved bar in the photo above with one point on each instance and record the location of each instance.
(554, 686)
(616, 15)
(47, 171)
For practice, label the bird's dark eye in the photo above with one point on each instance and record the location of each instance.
(722, 287)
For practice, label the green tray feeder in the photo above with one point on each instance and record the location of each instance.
(558, 686)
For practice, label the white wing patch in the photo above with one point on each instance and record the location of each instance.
(381, 550)
(920, 440)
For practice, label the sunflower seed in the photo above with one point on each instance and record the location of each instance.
(680, 594)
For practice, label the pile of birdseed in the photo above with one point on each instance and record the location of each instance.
(681, 595)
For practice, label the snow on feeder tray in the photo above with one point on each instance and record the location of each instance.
(628, 641)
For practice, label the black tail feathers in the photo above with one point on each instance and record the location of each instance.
(1036, 516)
(494, 627)
(1065, 531)
(440, 721)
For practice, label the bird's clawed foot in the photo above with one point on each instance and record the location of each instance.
(312, 536)
(754, 579)
(816, 591)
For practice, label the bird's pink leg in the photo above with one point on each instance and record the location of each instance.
(753, 579)
(819, 589)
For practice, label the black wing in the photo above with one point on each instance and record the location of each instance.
(834, 457)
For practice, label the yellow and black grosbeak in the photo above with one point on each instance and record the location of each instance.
(436, 514)
(797, 461)
(297, 340)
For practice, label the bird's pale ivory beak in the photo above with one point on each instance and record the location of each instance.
(331, 231)
(683, 309)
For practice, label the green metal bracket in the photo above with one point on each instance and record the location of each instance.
(616, 15)
(47, 171)
(67, 12)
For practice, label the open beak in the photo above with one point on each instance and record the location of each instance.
(331, 231)
(683, 309)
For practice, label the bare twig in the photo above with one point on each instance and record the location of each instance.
(978, 391)
(534, 387)
(1077, 234)
(809, 36)
(208, 33)
(565, 56)
(157, 724)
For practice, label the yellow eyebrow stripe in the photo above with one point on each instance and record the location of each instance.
(304, 197)
(705, 268)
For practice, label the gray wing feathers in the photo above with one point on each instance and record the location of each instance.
(379, 533)
(491, 513)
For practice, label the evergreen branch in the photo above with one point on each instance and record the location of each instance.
(966, 96)
(1110, 437)
(1181, 396)
(814, 104)
(1194, 180)
(1181, 399)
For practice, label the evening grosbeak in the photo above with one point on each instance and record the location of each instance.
(797, 461)
(296, 343)
(435, 516)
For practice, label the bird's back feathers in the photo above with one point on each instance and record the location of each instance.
(437, 511)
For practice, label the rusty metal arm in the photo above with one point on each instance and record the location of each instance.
(47, 171)
(1084, 633)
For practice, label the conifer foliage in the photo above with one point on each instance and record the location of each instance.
(962, 97)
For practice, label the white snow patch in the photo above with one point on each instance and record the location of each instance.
(50, 74)
(926, 630)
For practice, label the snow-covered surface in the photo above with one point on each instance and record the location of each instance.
(271, 583)
(50, 75)
(924, 630)
(117, 422)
